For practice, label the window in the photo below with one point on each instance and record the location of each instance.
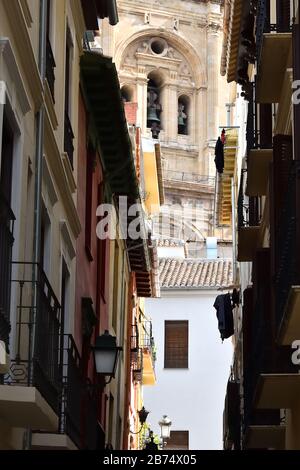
(115, 287)
(126, 93)
(6, 159)
(154, 107)
(101, 247)
(45, 255)
(176, 344)
(179, 440)
(110, 419)
(89, 202)
(50, 62)
(183, 115)
(65, 282)
(68, 132)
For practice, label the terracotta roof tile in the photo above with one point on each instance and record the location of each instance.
(183, 273)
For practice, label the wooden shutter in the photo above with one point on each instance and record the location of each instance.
(179, 440)
(265, 126)
(282, 158)
(176, 344)
(296, 72)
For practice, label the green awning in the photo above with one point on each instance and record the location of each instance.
(102, 89)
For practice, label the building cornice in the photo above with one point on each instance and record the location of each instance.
(56, 166)
(25, 51)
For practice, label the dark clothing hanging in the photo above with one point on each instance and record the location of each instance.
(219, 155)
(225, 316)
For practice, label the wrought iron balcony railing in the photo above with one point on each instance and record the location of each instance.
(260, 360)
(38, 348)
(249, 210)
(68, 139)
(263, 355)
(184, 176)
(50, 66)
(259, 124)
(287, 272)
(147, 340)
(284, 19)
(7, 219)
(72, 391)
(232, 417)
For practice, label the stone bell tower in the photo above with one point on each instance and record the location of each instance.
(168, 56)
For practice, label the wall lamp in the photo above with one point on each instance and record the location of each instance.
(165, 429)
(143, 414)
(106, 354)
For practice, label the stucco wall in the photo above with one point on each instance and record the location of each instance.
(192, 398)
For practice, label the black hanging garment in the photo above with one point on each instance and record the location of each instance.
(219, 155)
(224, 315)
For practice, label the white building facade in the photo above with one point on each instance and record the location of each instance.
(192, 395)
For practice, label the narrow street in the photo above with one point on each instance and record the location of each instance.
(149, 226)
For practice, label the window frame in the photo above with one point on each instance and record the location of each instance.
(176, 362)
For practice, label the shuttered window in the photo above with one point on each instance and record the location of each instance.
(176, 344)
(179, 440)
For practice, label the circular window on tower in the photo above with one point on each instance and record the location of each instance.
(158, 46)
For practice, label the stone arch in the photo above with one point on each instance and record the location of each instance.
(175, 40)
(176, 228)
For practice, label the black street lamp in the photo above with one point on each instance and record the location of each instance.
(106, 353)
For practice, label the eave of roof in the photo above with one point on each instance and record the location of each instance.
(102, 88)
(94, 9)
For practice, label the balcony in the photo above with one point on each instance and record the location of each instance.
(232, 417)
(31, 390)
(7, 219)
(263, 429)
(271, 380)
(287, 277)
(68, 435)
(68, 139)
(149, 353)
(136, 355)
(273, 48)
(258, 171)
(248, 224)
(50, 66)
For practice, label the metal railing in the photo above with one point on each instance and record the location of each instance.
(7, 219)
(136, 355)
(284, 19)
(249, 210)
(232, 416)
(36, 307)
(91, 420)
(73, 388)
(147, 340)
(260, 361)
(173, 175)
(50, 66)
(287, 271)
(68, 139)
(259, 123)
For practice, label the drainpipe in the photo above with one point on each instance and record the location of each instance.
(37, 195)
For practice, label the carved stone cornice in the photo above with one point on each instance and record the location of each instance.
(25, 51)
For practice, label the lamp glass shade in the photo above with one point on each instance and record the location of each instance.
(165, 427)
(106, 354)
(105, 361)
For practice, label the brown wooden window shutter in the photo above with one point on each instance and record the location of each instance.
(176, 344)
(179, 440)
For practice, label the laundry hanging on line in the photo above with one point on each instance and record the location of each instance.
(224, 308)
(219, 152)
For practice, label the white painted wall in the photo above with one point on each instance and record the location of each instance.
(192, 398)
